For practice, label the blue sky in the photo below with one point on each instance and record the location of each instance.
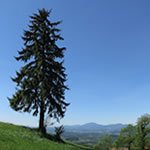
(107, 58)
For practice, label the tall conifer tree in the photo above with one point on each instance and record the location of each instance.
(40, 82)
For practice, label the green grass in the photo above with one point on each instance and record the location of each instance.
(82, 147)
(14, 137)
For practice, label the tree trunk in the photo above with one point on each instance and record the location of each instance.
(41, 120)
(129, 147)
(143, 143)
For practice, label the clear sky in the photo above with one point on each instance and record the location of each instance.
(107, 58)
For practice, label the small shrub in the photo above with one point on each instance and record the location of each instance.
(58, 132)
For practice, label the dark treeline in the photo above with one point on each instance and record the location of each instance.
(133, 137)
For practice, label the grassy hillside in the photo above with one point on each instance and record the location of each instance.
(19, 138)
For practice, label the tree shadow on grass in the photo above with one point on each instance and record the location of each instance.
(51, 137)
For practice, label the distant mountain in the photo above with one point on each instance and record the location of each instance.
(93, 128)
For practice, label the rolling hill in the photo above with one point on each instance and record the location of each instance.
(14, 137)
(90, 133)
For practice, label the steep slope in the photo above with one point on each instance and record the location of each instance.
(20, 138)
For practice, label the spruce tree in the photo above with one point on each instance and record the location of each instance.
(41, 81)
